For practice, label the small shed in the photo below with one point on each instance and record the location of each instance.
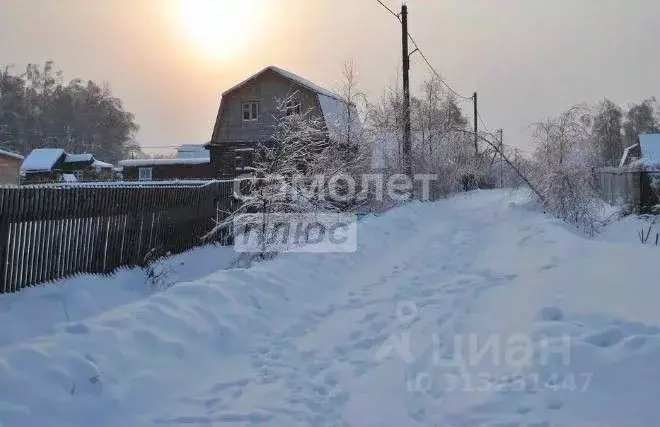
(636, 182)
(51, 164)
(166, 169)
(10, 165)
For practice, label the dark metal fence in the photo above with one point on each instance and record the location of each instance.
(53, 231)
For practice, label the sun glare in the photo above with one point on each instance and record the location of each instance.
(220, 29)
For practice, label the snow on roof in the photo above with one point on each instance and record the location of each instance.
(42, 159)
(626, 154)
(336, 115)
(76, 158)
(11, 154)
(101, 165)
(192, 151)
(288, 75)
(304, 82)
(160, 162)
(650, 147)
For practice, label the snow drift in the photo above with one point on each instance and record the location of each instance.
(343, 339)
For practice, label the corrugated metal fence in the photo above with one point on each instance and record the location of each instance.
(53, 231)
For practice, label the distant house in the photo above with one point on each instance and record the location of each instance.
(636, 182)
(191, 162)
(10, 165)
(56, 165)
(248, 116)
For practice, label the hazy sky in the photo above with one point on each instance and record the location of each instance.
(169, 60)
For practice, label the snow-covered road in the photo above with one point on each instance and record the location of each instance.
(371, 338)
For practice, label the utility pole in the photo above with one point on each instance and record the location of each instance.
(501, 132)
(476, 126)
(407, 148)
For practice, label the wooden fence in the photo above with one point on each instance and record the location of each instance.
(633, 188)
(53, 231)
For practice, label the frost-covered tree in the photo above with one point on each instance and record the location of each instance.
(302, 170)
(640, 118)
(38, 109)
(563, 167)
(607, 132)
(441, 145)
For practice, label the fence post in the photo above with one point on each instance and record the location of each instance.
(4, 236)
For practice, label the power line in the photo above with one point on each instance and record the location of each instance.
(389, 10)
(428, 63)
(483, 123)
(447, 85)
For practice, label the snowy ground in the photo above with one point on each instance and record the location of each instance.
(38, 311)
(380, 337)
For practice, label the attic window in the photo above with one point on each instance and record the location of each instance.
(250, 111)
(292, 107)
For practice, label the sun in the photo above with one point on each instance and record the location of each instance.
(220, 29)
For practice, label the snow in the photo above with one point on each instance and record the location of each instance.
(69, 177)
(42, 159)
(625, 155)
(101, 165)
(650, 145)
(40, 311)
(11, 154)
(626, 230)
(314, 339)
(76, 158)
(335, 113)
(288, 75)
(192, 151)
(304, 82)
(116, 184)
(160, 162)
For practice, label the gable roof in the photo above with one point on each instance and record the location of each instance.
(45, 159)
(289, 76)
(11, 154)
(79, 158)
(650, 147)
(42, 159)
(626, 155)
(192, 151)
(334, 109)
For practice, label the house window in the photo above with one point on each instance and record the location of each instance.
(250, 111)
(292, 107)
(145, 174)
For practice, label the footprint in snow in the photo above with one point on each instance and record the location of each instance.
(605, 338)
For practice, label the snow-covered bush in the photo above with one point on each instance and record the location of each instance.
(563, 171)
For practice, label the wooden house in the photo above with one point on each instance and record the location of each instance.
(191, 163)
(10, 165)
(249, 111)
